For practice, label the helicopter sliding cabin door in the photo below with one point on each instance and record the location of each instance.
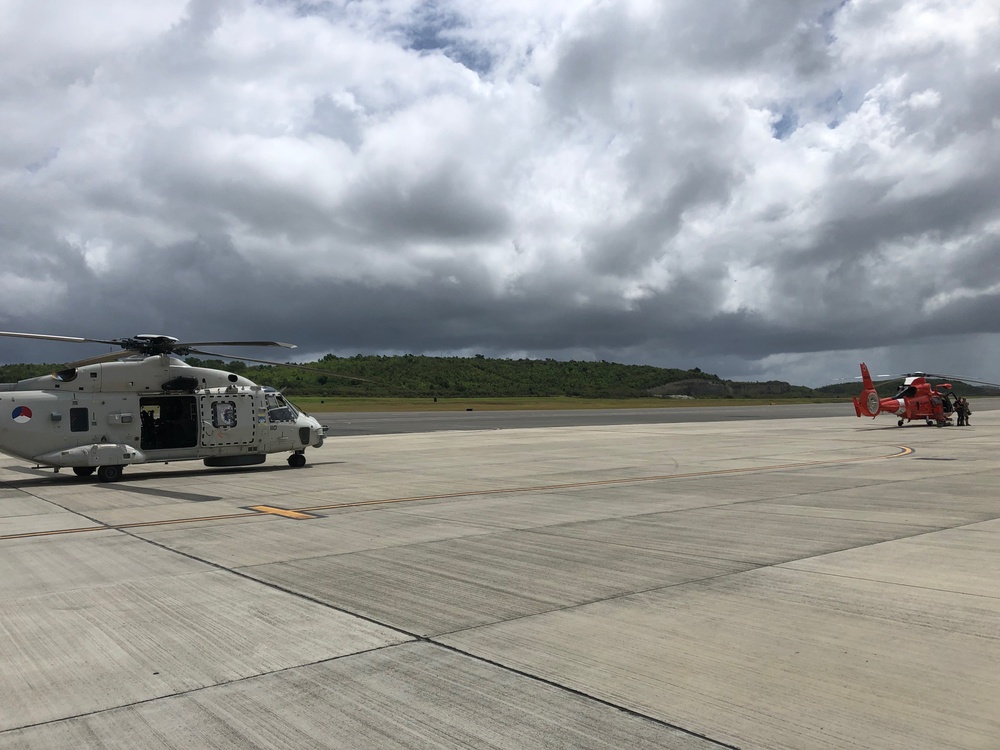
(168, 422)
(229, 424)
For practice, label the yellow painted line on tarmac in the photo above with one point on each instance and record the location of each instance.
(307, 513)
(165, 522)
(281, 512)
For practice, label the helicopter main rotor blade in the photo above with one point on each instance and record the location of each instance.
(321, 371)
(940, 376)
(960, 379)
(49, 337)
(113, 356)
(188, 345)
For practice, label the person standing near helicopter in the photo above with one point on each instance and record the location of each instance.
(966, 411)
(963, 410)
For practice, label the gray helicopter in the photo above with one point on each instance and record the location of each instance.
(144, 405)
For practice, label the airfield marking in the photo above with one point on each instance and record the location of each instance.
(281, 512)
(308, 513)
(165, 522)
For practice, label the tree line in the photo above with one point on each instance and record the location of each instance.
(445, 377)
(483, 377)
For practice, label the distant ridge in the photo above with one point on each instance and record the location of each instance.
(484, 377)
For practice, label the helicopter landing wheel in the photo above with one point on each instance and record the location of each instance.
(83, 471)
(297, 460)
(899, 423)
(109, 473)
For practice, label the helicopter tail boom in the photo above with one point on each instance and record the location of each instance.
(868, 403)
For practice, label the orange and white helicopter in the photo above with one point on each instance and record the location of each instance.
(143, 404)
(916, 399)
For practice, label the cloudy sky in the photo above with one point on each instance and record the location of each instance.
(765, 189)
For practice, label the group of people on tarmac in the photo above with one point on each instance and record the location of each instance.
(962, 411)
(957, 405)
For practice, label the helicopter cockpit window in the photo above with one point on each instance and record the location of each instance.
(223, 413)
(65, 376)
(279, 410)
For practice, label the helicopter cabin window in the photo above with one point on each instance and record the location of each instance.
(906, 391)
(223, 414)
(279, 410)
(79, 419)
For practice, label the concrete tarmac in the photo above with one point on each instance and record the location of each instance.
(815, 582)
(441, 417)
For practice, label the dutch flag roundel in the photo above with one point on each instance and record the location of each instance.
(21, 414)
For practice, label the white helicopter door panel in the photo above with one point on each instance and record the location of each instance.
(282, 428)
(227, 420)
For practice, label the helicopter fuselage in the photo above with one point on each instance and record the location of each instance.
(916, 399)
(149, 409)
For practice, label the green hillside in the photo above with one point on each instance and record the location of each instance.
(481, 377)
(450, 377)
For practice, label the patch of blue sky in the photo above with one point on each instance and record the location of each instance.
(305, 8)
(434, 29)
(785, 125)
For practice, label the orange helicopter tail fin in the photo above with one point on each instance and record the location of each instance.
(867, 404)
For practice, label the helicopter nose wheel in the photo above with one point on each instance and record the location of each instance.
(297, 460)
(109, 473)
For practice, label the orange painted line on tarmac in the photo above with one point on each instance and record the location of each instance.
(281, 512)
(137, 525)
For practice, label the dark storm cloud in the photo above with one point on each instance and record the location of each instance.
(442, 205)
(770, 189)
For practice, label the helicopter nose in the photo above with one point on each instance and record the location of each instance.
(311, 432)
